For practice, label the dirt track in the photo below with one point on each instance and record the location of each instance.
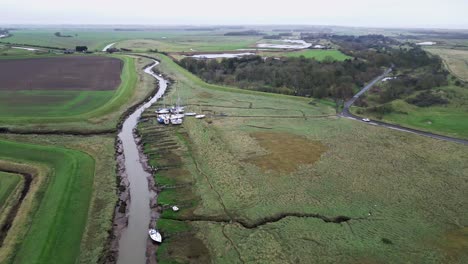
(78, 73)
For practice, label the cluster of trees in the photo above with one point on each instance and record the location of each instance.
(294, 76)
(81, 48)
(277, 36)
(338, 80)
(244, 33)
(427, 98)
(58, 34)
(406, 85)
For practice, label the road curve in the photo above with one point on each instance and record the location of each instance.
(346, 113)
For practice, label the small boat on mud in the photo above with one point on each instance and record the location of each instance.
(155, 235)
(175, 208)
(190, 114)
(200, 116)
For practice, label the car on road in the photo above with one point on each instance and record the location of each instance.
(366, 119)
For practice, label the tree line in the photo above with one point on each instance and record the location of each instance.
(327, 78)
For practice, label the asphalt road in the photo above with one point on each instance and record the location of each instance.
(347, 114)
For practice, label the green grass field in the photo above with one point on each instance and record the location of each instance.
(308, 53)
(271, 154)
(8, 183)
(93, 38)
(97, 39)
(450, 119)
(184, 43)
(456, 60)
(30, 104)
(56, 227)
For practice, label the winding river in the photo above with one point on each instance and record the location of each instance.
(134, 238)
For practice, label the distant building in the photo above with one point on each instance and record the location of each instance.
(81, 48)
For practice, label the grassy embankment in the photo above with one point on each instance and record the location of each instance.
(264, 159)
(101, 191)
(59, 210)
(76, 110)
(8, 183)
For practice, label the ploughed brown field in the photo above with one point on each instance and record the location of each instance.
(77, 73)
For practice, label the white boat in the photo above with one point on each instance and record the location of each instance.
(176, 121)
(200, 116)
(177, 116)
(155, 235)
(190, 114)
(163, 119)
(162, 111)
(175, 208)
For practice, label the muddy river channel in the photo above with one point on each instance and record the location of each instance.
(134, 244)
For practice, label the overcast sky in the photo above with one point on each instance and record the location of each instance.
(375, 13)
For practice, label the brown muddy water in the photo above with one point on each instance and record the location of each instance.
(134, 238)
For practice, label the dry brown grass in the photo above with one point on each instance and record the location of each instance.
(186, 248)
(285, 152)
(455, 60)
(455, 245)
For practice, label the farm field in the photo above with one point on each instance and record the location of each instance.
(455, 60)
(76, 183)
(193, 43)
(95, 39)
(309, 187)
(308, 53)
(447, 119)
(72, 110)
(164, 39)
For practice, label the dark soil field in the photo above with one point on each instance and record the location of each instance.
(78, 73)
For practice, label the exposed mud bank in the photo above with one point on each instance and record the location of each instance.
(14, 209)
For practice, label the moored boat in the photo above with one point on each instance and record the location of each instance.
(200, 116)
(155, 235)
